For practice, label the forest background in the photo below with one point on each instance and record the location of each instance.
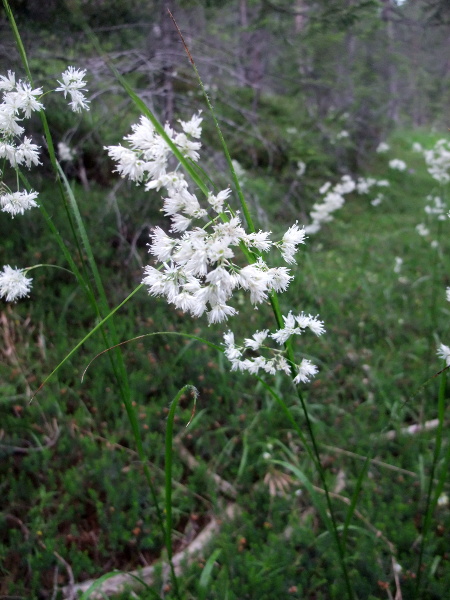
(305, 91)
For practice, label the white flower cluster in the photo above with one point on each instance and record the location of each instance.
(301, 168)
(382, 148)
(436, 207)
(14, 284)
(65, 152)
(444, 353)
(19, 101)
(334, 198)
(397, 165)
(422, 230)
(438, 161)
(197, 271)
(342, 135)
(199, 266)
(293, 325)
(73, 84)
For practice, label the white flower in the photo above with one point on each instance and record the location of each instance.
(27, 153)
(74, 85)
(188, 148)
(231, 351)
(259, 240)
(282, 335)
(443, 352)
(217, 201)
(436, 207)
(447, 294)
(438, 161)
(257, 341)
(14, 284)
(313, 323)
(291, 239)
(8, 122)
(180, 223)
(306, 370)
(27, 100)
(397, 164)
(377, 200)
(8, 151)
(220, 312)
(301, 168)
(382, 147)
(346, 186)
(129, 163)
(279, 279)
(416, 147)
(324, 189)
(422, 230)
(163, 245)
(255, 278)
(8, 83)
(65, 152)
(193, 127)
(18, 202)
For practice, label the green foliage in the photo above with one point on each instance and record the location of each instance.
(74, 485)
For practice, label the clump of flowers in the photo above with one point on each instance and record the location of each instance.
(437, 209)
(18, 101)
(382, 148)
(334, 198)
(73, 84)
(397, 164)
(273, 360)
(65, 152)
(438, 161)
(14, 284)
(199, 262)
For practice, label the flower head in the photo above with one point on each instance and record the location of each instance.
(74, 85)
(443, 352)
(18, 202)
(306, 371)
(14, 284)
(291, 239)
(397, 164)
(382, 147)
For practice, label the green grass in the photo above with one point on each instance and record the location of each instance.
(74, 485)
(375, 358)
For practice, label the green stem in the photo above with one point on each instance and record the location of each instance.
(168, 473)
(431, 505)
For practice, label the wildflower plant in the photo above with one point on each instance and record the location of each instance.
(19, 101)
(208, 257)
(200, 263)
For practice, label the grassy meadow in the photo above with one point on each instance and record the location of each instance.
(76, 502)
